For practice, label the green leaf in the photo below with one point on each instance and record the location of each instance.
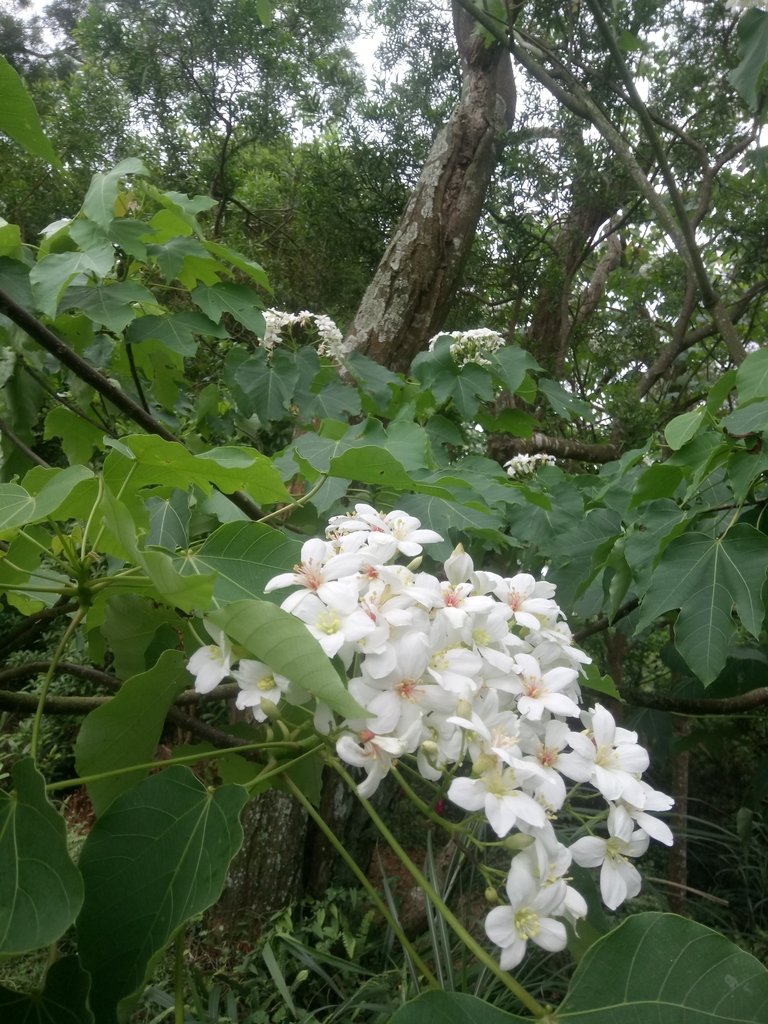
(594, 680)
(126, 731)
(157, 857)
(748, 419)
(752, 376)
(260, 385)
(58, 490)
(14, 280)
(130, 624)
(511, 364)
(40, 888)
(78, 436)
(18, 116)
(178, 331)
(230, 469)
(705, 577)
(749, 77)
(16, 506)
(63, 999)
(681, 429)
(109, 305)
(51, 276)
(245, 556)
(658, 481)
(452, 1008)
(99, 202)
(665, 969)
(169, 520)
(240, 302)
(286, 645)
(373, 379)
(254, 270)
(565, 404)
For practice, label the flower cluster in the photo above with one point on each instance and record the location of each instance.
(526, 465)
(474, 667)
(278, 321)
(471, 346)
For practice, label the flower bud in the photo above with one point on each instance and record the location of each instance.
(492, 895)
(459, 566)
(518, 841)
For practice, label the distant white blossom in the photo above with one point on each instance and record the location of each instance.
(278, 322)
(471, 346)
(526, 465)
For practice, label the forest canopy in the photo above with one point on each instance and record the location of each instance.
(465, 348)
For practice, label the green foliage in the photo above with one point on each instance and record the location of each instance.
(182, 839)
(18, 116)
(652, 963)
(41, 896)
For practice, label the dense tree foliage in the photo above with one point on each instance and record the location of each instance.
(587, 186)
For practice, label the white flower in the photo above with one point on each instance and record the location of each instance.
(616, 758)
(527, 917)
(372, 753)
(336, 623)
(258, 683)
(619, 879)
(498, 793)
(541, 691)
(209, 665)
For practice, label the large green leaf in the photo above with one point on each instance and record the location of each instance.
(748, 419)
(286, 645)
(178, 331)
(749, 77)
(16, 506)
(705, 577)
(157, 857)
(652, 969)
(752, 375)
(51, 275)
(108, 305)
(260, 385)
(40, 888)
(18, 117)
(126, 731)
(245, 556)
(230, 469)
(452, 1008)
(666, 969)
(237, 300)
(99, 202)
(62, 1000)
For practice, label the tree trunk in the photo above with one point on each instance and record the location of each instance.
(407, 300)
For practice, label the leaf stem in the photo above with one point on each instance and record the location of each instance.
(57, 655)
(178, 978)
(287, 509)
(381, 906)
(522, 994)
(242, 748)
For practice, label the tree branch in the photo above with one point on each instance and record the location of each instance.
(505, 446)
(82, 369)
(698, 705)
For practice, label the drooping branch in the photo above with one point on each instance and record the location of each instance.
(90, 375)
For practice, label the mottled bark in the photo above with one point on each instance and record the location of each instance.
(266, 874)
(408, 298)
